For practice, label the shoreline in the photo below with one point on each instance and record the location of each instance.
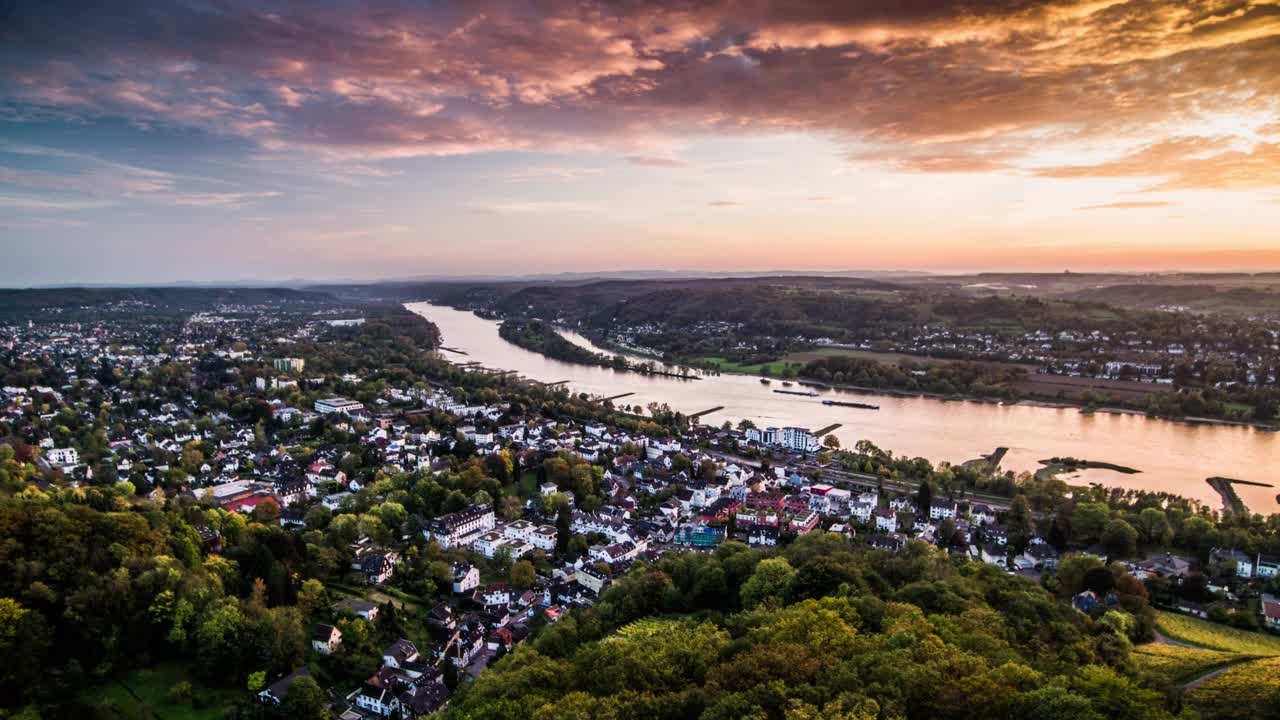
(1031, 401)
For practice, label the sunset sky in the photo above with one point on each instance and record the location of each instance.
(224, 140)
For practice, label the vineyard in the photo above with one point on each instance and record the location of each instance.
(1248, 690)
(1216, 637)
(1175, 664)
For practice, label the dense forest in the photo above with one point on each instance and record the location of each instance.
(542, 338)
(824, 630)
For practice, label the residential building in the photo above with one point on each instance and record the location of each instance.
(338, 405)
(276, 692)
(798, 439)
(326, 639)
(360, 608)
(466, 577)
(1223, 557)
(1270, 610)
(294, 365)
(886, 520)
(544, 538)
(462, 527)
(942, 510)
(66, 457)
(1267, 566)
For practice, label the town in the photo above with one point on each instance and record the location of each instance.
(463, 512)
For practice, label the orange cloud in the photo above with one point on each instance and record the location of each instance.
(930, 86)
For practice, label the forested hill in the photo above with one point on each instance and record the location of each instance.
(823, 630)
(22, 302)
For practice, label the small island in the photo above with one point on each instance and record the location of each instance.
(541, 337)
(1057, 465)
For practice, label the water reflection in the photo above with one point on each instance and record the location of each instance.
(1173, 456)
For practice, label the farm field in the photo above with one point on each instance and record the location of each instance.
(1247, 690)
(1216, 637)
(1073, 387)
(144, 694)
(1176, 663)
(889, 358)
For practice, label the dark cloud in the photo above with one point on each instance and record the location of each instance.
(724, 203)
(920, 85)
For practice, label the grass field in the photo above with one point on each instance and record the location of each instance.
(1247, 690)
(1216, 637)
(1176, 663)
(144, 694)
(528, 485)
(881, 357)
(772, 369)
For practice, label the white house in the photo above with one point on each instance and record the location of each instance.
(326, 639)
(544, 538)
(466, 577)
(65, 457)
(942, 510)
(488, 543)
(886, 520)
(862, 511)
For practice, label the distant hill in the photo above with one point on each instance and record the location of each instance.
(24, 302)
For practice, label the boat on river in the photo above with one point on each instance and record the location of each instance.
(841, 403)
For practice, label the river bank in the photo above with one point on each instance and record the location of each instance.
(1174, 457)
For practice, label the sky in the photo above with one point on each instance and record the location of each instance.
(220, 140)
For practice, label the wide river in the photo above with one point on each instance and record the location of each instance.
(1173, 456)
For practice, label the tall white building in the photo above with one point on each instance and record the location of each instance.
(798, 439)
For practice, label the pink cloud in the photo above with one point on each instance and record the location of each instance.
(930, 86)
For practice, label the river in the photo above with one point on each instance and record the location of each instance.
(1173, 456)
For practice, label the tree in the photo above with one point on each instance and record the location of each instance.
(257, 681)
(1154, 526)
(563, 528)
(1072, 571)
(180, 692)
(831, 441)
(1120, 539)
(924, 497)
(510, 507)
(1088, 520)
(1020, 520)
(311, 597)
(305, 700)
(266, 512)
(523, 575)
(771, 582)
(392, 514)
